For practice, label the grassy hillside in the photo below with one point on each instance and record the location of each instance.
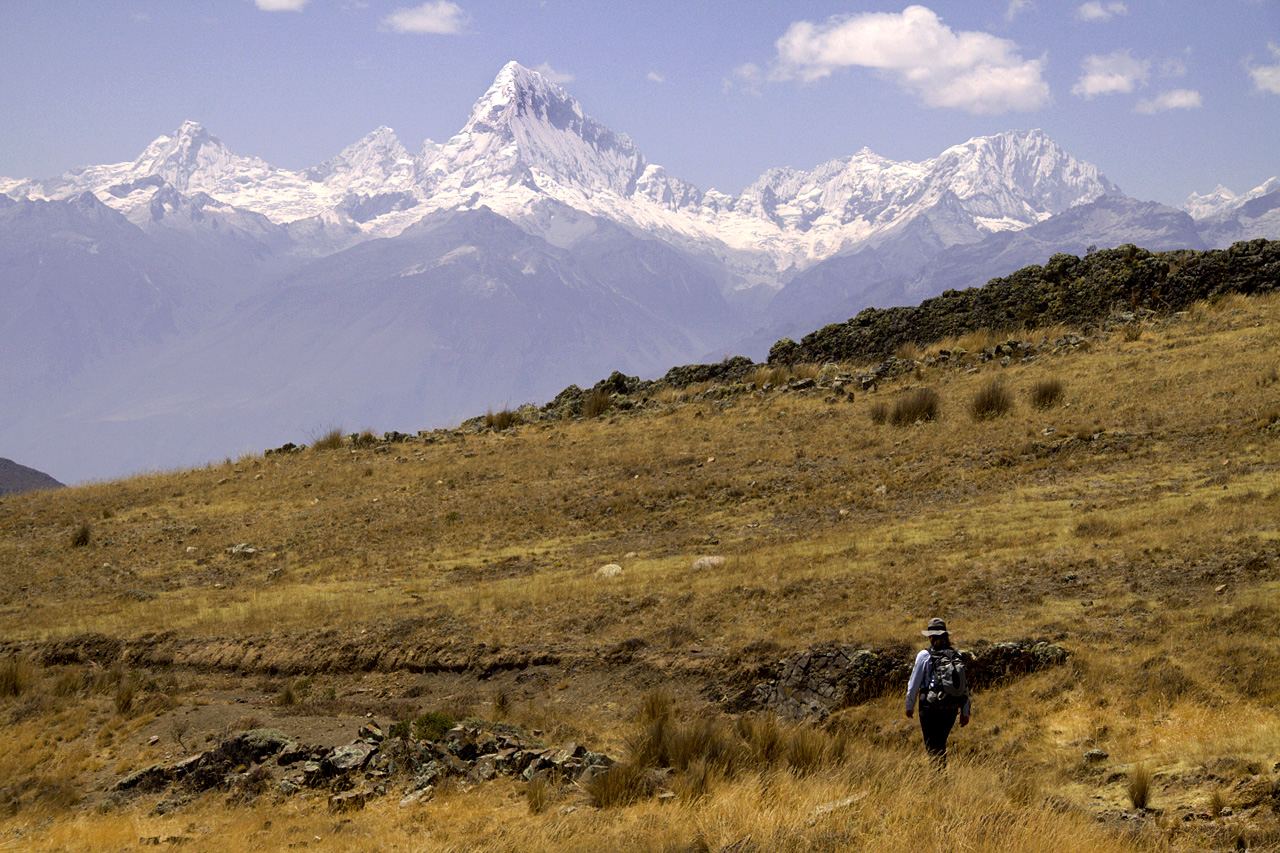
(1133, 519)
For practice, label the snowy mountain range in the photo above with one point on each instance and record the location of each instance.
(527, 141)
(195, 301)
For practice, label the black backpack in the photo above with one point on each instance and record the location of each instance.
(947, 686)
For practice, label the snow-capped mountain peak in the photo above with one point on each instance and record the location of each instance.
(527, 130)
(1222, 200)
(192, 159)
(376, 163)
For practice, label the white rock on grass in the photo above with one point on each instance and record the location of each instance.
(707, 563)
(612, 570)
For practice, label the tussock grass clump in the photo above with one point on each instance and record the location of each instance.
(769, 374)
(1217, 802)
(993, 400)
(501, 705)
(1139, 788)
(656, 704)
(596, 403)
(879, 412)
(977, 340)
(288, 695)
(909, 351)
(125, 693)
(504, 419)
(918, 406)
(620, 785)
(1047, 393)
(329, 439)
(82, 535)
(538, 795)
(1133, 332)
(16, 676)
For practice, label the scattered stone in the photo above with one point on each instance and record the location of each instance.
(838, 805)
(610, 570)
(242, 549)
(707, 563)
(1096, 756)
(344, 759)
(347, 801)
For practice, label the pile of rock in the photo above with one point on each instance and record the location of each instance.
(814, 683)
(255, 761)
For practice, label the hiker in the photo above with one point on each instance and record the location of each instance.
(938, 681)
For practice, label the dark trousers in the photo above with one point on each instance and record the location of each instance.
(935, 724)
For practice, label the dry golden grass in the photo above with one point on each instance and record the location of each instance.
(1135, 522)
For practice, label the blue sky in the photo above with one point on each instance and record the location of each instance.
(1166, 97)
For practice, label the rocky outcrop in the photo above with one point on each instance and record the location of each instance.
(254, 761)
(1067, 290)
(813, 683)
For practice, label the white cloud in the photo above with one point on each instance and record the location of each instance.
(553, 75)
(748, 77)
(1115, 73)
(437, 17)
(280, 5)
(972, 71)
(1017, 7)
(1266, 78)
(1098, 11)
(1177, 99)
(655, 77)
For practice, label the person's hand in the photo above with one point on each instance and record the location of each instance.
(964, 720)
(910, 712)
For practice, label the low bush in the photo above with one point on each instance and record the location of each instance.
(432, 725)
(879, 413)
(918, 406)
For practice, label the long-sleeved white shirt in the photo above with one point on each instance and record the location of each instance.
(920, 675)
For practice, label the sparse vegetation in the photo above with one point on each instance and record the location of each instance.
(1139, 512)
